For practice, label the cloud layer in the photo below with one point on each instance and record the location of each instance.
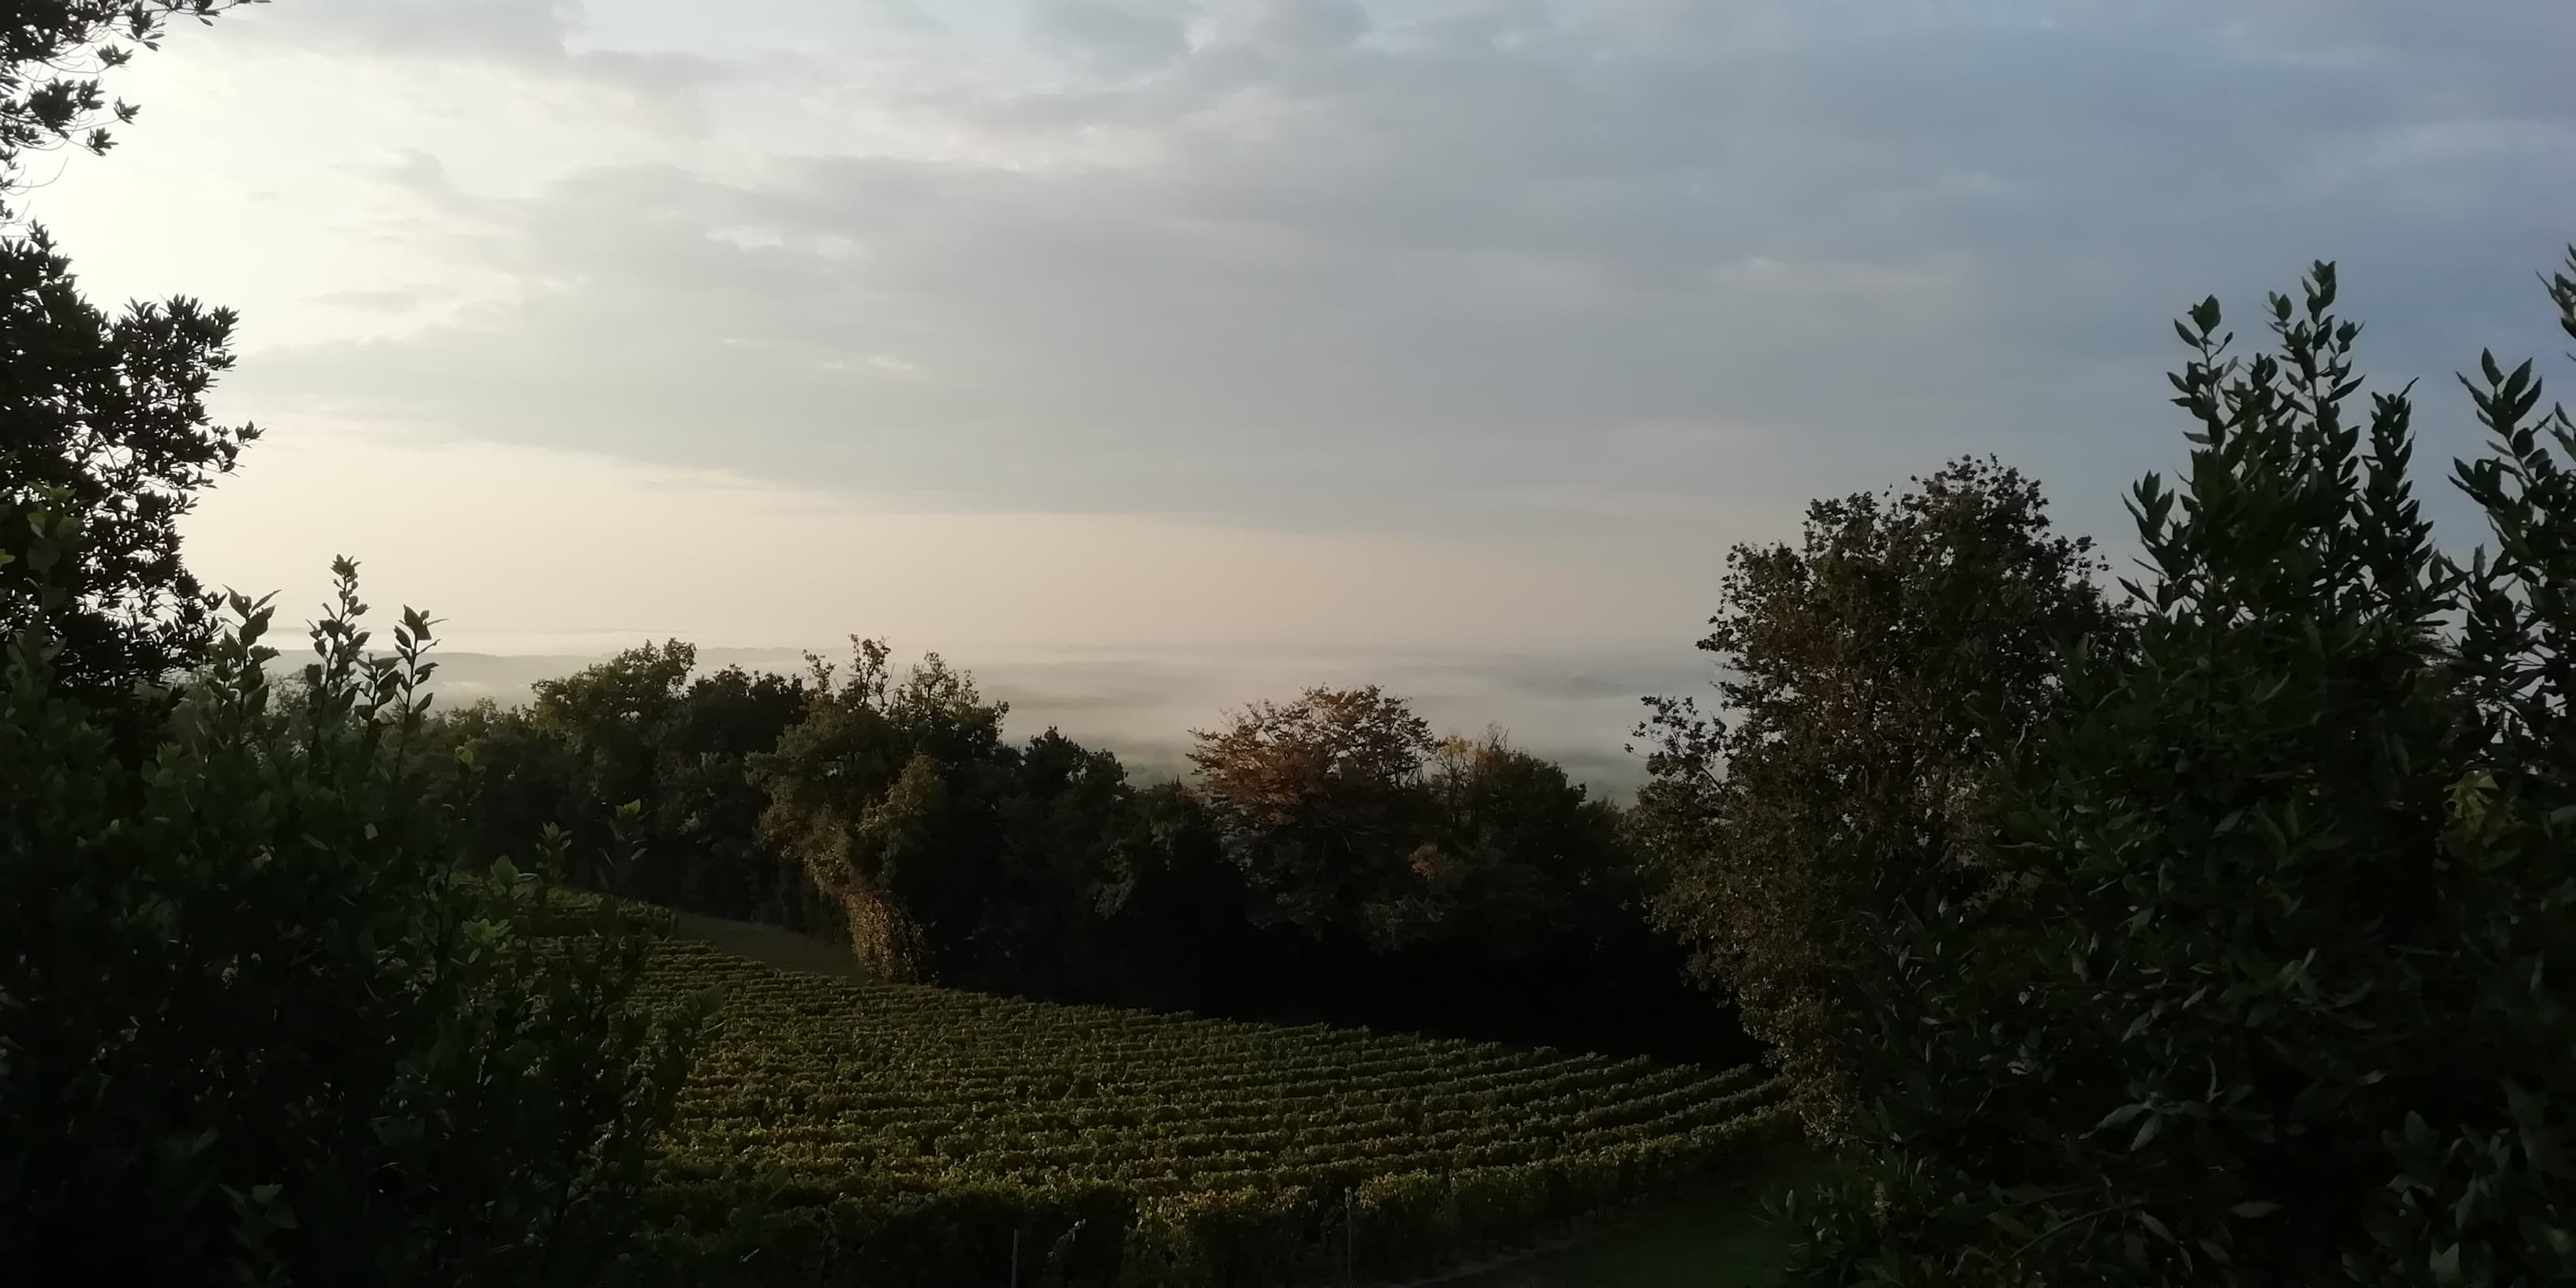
(1614, 278)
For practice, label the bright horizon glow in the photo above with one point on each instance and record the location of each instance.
(524, 550)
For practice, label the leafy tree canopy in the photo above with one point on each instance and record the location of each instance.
(2276, 1000)
(110, 410)
(1318, 802)
(1870, 676)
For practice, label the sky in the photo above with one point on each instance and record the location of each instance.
(1199, 334)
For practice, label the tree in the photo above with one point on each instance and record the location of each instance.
(1319, 803)
(637, 728)
(2272, 999)
(51, 58)
(887, 795)
(705, 810)
(1874, 676)
(640, 730)
(513, 781)
(1520, 860)
(1069, 828)
(611, 714)
(1171, 908)
(111, 412)
(262, 1020)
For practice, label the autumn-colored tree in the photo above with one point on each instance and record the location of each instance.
(1319, 803)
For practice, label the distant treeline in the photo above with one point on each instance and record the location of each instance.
(1329, 859)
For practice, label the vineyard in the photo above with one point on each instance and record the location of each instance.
(842, 1132)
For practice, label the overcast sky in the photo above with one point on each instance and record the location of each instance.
(1007, 328)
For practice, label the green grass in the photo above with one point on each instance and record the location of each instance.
(1714, 1238)
(784, 949)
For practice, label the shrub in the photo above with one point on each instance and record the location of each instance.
(2275, 1002)
(262, 1021)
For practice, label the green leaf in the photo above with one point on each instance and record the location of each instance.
(2146, 1132)
(2446, 1264)
(2419, 1133)
(2255, 1207)
(2120, 1115)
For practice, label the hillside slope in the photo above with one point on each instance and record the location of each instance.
(1133, 1148)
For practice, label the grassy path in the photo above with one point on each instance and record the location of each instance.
(784, 949)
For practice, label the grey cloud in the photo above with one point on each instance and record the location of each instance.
(534, 36)
(394, 301)
(1387, 275)
(1291, 25)
(500, 30)
(1115, 39)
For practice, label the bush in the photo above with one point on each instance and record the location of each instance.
(2275, 1001)
(262, 1021)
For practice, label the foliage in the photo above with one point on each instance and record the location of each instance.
(1520, 858)
(1069, 828)
(1318, 802)
(637, 728)
(1866, 674)
(1170, 912)
(52, 56)
(2276, 1002)
(511, 783)
(707, 854)
(1197, 1152)
(955, 856)
(112, 413)
(886, 811)
(262, 1021)
(610, 715)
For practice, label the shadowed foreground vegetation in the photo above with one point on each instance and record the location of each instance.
(2209, 933)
